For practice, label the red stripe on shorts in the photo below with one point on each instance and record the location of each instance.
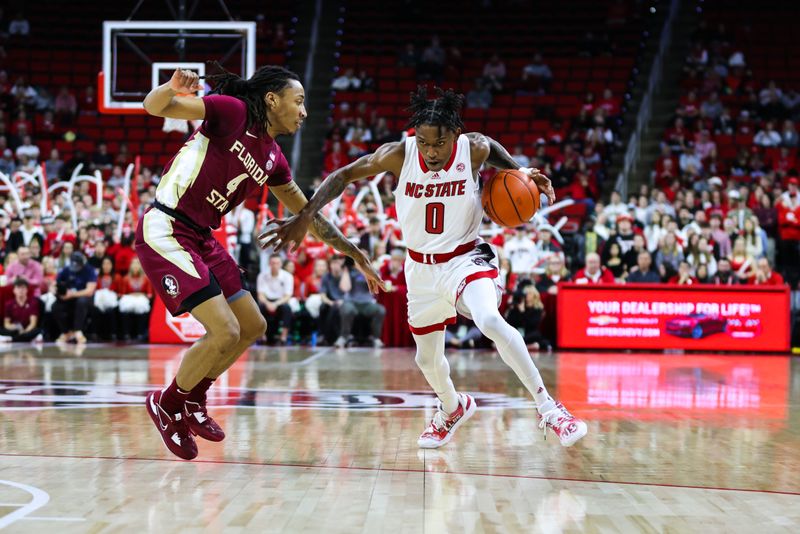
(421, 331)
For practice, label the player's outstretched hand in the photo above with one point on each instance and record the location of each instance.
(373, 277)
(284, 233)
(543, 182)
(185, 81)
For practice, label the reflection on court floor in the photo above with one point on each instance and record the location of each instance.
(325, 440)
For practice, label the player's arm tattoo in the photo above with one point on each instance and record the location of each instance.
(328, 233)
(499, 157)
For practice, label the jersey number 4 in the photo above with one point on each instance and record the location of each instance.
(434, 218)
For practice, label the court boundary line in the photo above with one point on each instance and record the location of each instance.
(399, 470)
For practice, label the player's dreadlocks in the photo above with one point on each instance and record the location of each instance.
(267, 79)
(443, 111)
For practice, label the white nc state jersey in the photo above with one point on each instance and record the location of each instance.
(438, 211)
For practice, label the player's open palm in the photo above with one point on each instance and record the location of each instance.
(185, 81)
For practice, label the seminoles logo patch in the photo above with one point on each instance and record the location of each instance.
(270, 164)
(170, 285)
(460, 167)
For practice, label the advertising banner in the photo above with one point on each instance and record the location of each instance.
(164, 328)
(655, 316)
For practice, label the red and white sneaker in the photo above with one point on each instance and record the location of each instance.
(443, 425)
(566, 426)
(174, 430)
(201, 423)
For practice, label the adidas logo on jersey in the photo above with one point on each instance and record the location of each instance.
(435, 176)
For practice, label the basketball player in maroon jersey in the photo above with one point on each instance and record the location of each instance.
(228, 159)
(449, 269)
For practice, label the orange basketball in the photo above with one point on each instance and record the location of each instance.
(510, 198)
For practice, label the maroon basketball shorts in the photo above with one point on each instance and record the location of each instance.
(185, 266)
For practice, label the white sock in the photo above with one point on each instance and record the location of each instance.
(433, 364)
(509, 342)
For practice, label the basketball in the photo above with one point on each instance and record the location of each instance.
(510, 198)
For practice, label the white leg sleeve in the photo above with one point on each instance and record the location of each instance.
(480, 298)
(433, 364)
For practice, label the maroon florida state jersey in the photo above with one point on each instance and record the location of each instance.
(221, 165)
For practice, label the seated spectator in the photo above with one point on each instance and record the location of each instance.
(643, 272)
(275, 288)
(106, 301)
(724, 275)
(66, 106)
(705, 147)
(702, 274)
(684, 276)
(526, 314)
(381, 132)
(764, 275)
(712, 108)
(30, 230)
(768, 137)
(28, 149)
(789, 137)
(432, 61)
(593, 272)
(613, 261)
(136, 295)
(479, 97)
(555, 272)
(345, 82)
(520, 249)
(19, 26)
(75, 288)
(27, 269)
(21, 315)
(53, 166)
(364, 82)
(704, 255)
(7, 163)
(102, 160)
(408, 57)
(358, 301)
(536, 76)
(335, 159)
(494, 72)
(14, 237)
(742, 263)
(520, 157)
(631, 257)
(61, 233)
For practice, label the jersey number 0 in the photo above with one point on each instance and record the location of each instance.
(434, 218)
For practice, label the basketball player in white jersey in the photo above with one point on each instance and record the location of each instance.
(448, 268)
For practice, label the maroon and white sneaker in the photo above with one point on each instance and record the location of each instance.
(443, 425)
(201, 423)
(174, 429)
(566, 426)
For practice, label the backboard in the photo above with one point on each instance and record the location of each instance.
(140, 55)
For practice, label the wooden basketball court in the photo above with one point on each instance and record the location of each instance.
(324, 440)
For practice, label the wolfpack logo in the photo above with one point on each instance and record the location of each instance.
(460, 167)
(170, 285)
(30, 395)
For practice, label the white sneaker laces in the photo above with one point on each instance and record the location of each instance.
(551, 417)
(439, 418)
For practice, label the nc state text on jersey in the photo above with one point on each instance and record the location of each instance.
(442, 189)
(251, 166)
